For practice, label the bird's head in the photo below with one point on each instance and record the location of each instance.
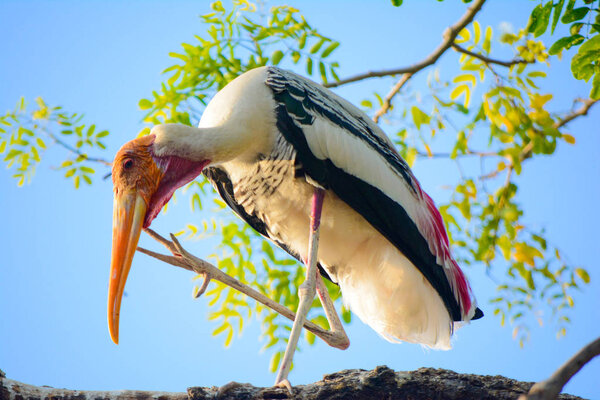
(146, 172)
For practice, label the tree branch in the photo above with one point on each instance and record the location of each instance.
(583, 110)
(388, 99)
(489, 60)
(379, 383)
(449, 36)
(551, 387)
(67, 146)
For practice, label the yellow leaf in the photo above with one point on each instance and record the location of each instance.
(463, 36)
(429, 153)
(457, 91)
(476, 31)
(568, 138)
(466, 78)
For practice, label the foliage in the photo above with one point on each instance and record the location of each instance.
(235, 43)
(584, 31)
(492, 111)
(505, 126)
(25, 136)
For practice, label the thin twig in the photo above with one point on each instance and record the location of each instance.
(66, 145)
(551, 387)
(583, 110)
(387, 102)
(489, 60)
(449, 35)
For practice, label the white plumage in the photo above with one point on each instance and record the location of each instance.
(268, 177)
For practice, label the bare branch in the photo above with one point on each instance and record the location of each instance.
(583, 110)
(379, 383)
(489, 60)
(387, 102)
(449, 36)
(551, 387)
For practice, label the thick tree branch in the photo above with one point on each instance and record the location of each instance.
(449, 37)
(551, 387)
(489, 60)
(353, 384)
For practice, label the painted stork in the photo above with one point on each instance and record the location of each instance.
(311, 172)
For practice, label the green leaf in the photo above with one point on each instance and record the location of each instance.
(419, 117)
(397, 3)
(295, 57)
(316, 46)
(576, 28)
(330, 49)
(302, 41)
(322, 71)
(565, 43)
(276, 57)
(539, 19)
(574, 15)
(90, 131)
(557, 11)
(582, 63)
(595, 93)
(12, 154)
(145, 104)
(309, 66)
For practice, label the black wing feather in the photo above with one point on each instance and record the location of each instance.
(297, 103)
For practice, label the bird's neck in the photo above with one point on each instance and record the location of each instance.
(218, 144)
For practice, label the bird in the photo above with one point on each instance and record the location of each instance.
(315, 175)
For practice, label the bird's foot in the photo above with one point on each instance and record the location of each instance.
(285, 384)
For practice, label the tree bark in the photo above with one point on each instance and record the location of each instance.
(380, 383)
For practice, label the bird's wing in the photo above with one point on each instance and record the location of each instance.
(222, 183)
(341, 149)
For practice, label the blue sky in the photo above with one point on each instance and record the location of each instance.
(101, 58)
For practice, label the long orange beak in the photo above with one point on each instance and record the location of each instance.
(129, 210)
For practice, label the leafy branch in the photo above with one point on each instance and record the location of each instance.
(449, 35)
(24, 138)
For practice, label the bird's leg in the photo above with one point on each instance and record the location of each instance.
(336, 328)
(306, 291)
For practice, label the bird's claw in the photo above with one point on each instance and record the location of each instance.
(285, 384)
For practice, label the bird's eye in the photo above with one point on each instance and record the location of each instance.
(128, 163)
